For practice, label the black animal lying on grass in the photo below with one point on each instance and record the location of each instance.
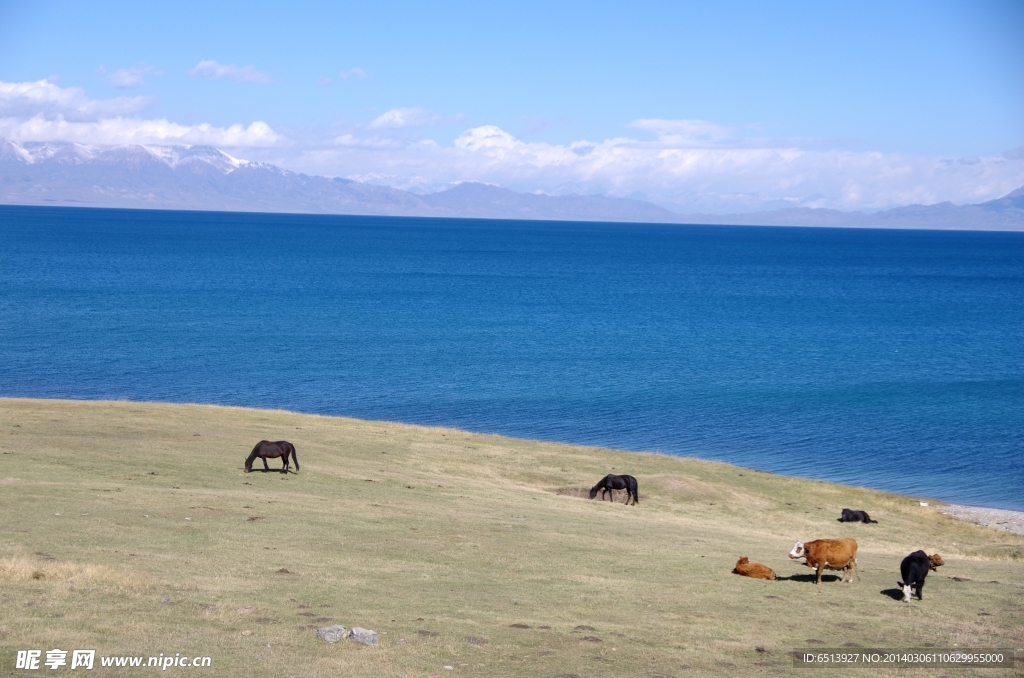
(914, 569)
(851, 516)
(267, 450)
(613, 482)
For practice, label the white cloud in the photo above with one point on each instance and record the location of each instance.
(691, 167)
(42, 97)
(689, 132)
(406, 118)
(213, 70)
(129, 78)
(352, 141)
(117, 131)
(43, 111)
(356, 72)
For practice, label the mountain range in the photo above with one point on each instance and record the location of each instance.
(205, 178)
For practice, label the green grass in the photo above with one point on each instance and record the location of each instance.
(406, 529)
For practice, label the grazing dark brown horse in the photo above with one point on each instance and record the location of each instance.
(265, 449)
(613, 482)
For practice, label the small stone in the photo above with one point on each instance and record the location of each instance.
(165, 600)
(449, 668)
(246, 633)
(364, 636)
(332, 634)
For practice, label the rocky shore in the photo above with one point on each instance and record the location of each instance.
(1000, 519)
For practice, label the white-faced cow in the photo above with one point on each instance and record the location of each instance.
(831, 554)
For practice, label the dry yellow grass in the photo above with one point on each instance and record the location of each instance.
(441, 541)
(41, 568)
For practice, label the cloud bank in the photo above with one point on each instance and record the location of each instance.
(42, 97)
(43, 111)
(688, 166)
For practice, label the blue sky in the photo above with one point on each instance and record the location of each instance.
(700, 107)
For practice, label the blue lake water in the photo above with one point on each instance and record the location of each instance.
(889, 359)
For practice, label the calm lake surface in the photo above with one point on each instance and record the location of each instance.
(890, 359)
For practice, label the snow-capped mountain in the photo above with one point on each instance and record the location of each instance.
(206, 178)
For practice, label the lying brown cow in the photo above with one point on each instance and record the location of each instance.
(832, 554)
(755, 570)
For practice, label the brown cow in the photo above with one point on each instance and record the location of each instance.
(755, 570)
(833, 554)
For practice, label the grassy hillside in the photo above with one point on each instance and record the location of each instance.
(441, 540)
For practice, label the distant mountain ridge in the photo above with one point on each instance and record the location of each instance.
(205, 178)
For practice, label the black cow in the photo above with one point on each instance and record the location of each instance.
(914, 569)
(851, 516)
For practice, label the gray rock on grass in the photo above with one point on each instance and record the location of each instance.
(332, 634)
(364, 636)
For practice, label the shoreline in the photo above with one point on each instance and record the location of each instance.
(1006, 520)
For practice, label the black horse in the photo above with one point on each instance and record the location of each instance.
(613, 482)
(265, 449)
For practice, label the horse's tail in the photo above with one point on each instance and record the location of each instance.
(636, 494)
(295, 458)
